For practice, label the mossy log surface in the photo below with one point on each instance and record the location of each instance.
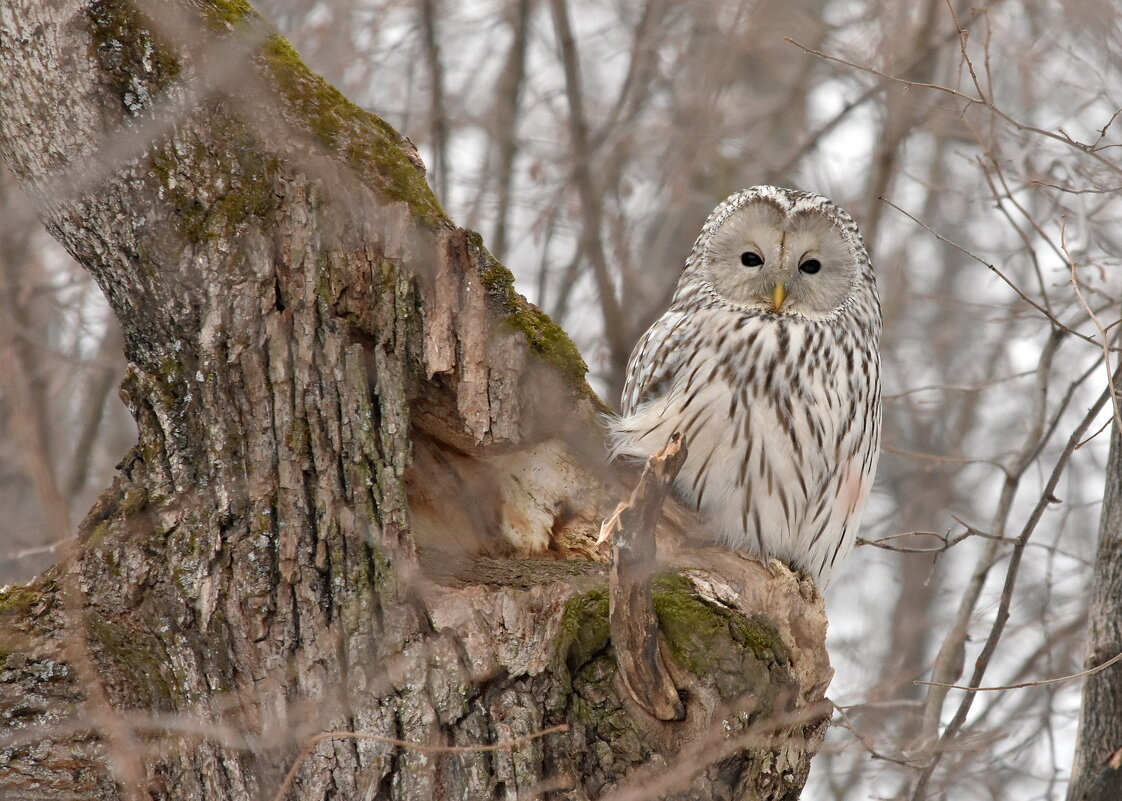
(368, 479)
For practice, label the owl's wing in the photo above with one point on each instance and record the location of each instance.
(654, 362)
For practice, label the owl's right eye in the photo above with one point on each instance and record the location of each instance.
(750, 259)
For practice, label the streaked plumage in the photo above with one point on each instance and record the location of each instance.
(776, 390)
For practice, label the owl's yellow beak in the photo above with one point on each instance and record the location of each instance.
(777, 296)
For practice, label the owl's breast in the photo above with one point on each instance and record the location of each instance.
(773, 416)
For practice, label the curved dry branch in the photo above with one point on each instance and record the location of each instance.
(642, 660)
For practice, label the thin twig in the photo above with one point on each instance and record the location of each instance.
(1002, 616)
(588, 194)
(873, 752)
(963, 34)
(949, 661)
(1089, 150)
(994, 269)
(1038, 683)
(956, 387)
(990, 168)
(1090, 190)
(1117, 412)
(919, 58)
(947, 541)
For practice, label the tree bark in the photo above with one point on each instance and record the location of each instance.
(368, 480)
(1097, 770)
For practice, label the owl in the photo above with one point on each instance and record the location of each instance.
(768, 363)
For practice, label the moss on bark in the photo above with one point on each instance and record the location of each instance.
(737, 655)
(367, 143)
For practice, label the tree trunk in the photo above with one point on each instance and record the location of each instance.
(369, 475)
(1097, 771)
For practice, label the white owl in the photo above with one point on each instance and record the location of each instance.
(768, 363)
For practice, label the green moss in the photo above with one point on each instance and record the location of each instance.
(134, 500)
(365, 142)
(381, 568)
(584, 629)
(596, 706)
(706, 638)
(702, 633)
(262, 522)
(245, 192)
(368, 144)
(230, 12)
(547, 339)
(26, 610)
(171, 370)
(525, 574)
(738, 658)
(252, 194)
(123, 500)
(323, 279)
(379, 575)
(299, 438)
(17, 600)
(716, 643)
(594, 703)
(162, 164)
(98, 532)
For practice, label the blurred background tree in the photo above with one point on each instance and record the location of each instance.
(976, 144)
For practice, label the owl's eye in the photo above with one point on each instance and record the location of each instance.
(750, 259)
(810, 266)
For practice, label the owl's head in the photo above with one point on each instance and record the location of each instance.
(780, 250)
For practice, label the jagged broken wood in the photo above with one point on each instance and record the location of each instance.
(634, 626)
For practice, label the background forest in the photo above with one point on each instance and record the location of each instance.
(587, 141)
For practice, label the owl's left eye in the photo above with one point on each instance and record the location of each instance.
(810, 266)
(750, 259)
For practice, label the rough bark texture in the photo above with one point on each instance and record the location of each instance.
(1097, 771)
(369, 475)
